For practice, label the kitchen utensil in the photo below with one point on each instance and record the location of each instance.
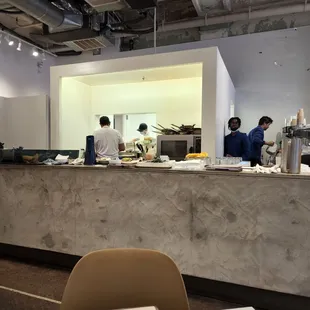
(140, 147)
(161, 126)
(158, 129)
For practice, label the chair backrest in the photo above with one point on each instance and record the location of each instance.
(125, 278)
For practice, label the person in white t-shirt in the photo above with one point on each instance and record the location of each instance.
(108, 141)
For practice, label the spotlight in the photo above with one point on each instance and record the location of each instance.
(10, 41)
(19, 47)
(35, 52)
(43, 56)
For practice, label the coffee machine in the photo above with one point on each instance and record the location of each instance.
(294, 137)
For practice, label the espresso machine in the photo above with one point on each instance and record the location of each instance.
(294, 137)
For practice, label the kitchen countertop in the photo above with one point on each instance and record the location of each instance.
(243, 228)
(175, 171)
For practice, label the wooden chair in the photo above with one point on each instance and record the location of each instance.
(125, 278)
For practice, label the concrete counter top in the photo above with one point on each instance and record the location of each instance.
(155, 170)
(240, 228)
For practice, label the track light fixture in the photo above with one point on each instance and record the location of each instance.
(19, 47)
(9, 40)
(35, 52)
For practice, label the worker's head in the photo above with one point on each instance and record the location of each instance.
(142, 129)
(104, 121)
(234, 123)
(265, 122)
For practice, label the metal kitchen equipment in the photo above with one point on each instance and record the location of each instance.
(292, 140)
(178, 146)
(11, 155)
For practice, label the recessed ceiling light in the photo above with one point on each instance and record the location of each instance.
(275, 63)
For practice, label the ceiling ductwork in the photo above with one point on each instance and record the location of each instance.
(116, 5)
(84, 25)
(49, 14)
(140, 5)
(81, 40)
(107, 5)
(202, 6)
(89, 44)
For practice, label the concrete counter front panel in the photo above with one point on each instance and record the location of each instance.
(245, 229)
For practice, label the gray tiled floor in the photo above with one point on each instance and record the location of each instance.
(50, 283)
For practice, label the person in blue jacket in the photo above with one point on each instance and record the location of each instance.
(236, 144)
(256, 137)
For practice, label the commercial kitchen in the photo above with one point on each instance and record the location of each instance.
(230, 228)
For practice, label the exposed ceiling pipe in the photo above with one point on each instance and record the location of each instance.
(257, 14)
(227, 5)
(60, 49)
(49, 14)
(201, 6)
(68, 53)
(198, 8)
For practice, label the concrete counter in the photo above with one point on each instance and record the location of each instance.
(240, 228)
(152, 170)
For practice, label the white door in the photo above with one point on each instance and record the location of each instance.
(29, 122)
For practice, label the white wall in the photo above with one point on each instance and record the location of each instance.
(225, 97)
(19, 74)
(173, 101)
(26, 122)
(76, 119)
(3, 119)
(254, 104)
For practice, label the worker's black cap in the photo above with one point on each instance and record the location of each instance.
(142, 127)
